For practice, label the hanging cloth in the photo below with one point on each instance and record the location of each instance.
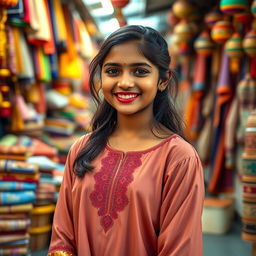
(11, 58)
(221, 178)
(16, 14)
(85, 44)
(41, 105)
(85, 86)
(230, 138)
(42, 65)
(27, 64)
(17, 122)
(53, 58)
(194, 108)
(17, 47)
(41, 24)
(69, 62)
(49, 46)
(60, 30)
(27, 11)
(34, 22)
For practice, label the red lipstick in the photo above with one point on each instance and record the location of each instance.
(126, 97)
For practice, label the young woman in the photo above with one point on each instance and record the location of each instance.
(133, 186)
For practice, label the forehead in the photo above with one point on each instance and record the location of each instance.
(126, 52)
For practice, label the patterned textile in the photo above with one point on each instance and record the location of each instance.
(16, 186)
(105, 189)
(8, 239)
(20, 177)
(13, 216)
(14, 251)
(16, 208)
(17, 166)
(194, 110)
(19, 197)
(14, 152)
(221, 177)
(13, 225)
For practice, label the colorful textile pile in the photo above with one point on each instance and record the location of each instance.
(18, 183)
(214, 52)
(44, 81)
(46, 63)
(223, 53)
(30, 181)
(51, 175)
(249, 180)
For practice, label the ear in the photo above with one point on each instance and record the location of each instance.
(163, 83)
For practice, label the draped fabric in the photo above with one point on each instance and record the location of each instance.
(221, 177)
(41, 32)
(26, 59)
(194, 108)
(69, 61)
(42, 64)
(59, 27)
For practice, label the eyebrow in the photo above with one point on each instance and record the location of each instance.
(131, 65)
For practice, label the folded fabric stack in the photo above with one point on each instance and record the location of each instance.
(28, 181)
(62, 144)
(249, 180)
(18, 183)
(66, 122)
(14, 152)
(51, 174)
(59, 126)
(19, 171)
(39, 148)
(14, 224)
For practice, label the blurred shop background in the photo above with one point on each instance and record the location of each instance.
(45, 105)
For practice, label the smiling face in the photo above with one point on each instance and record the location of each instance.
(129, 80)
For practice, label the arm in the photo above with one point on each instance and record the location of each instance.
(181, 209)
(63, 236)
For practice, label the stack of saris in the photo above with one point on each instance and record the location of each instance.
(249, 180)
(26, 178)
(18, 183)
(46, 197)
(51, 174)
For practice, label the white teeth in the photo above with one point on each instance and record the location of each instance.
(128, 96)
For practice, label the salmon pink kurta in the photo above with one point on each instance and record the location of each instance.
(137, 203)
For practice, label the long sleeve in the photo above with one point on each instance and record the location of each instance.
(63, 234)
(181, 209)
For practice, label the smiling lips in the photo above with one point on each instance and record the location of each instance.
(126, 97)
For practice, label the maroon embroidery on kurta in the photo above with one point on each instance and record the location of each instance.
(111, 184)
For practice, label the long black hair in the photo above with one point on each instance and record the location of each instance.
(153, 46)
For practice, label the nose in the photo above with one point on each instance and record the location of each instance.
(125, 81)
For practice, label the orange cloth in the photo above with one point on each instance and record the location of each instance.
(138, 203)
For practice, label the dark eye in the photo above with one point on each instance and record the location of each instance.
(112, 71)
(140, 71)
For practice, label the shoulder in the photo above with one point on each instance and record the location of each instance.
(79, 144)
(183, 162)
(179, 149)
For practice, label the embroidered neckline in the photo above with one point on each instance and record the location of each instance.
(108, 147)
(111, 182)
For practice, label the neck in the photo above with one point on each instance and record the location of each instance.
(134, 125)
